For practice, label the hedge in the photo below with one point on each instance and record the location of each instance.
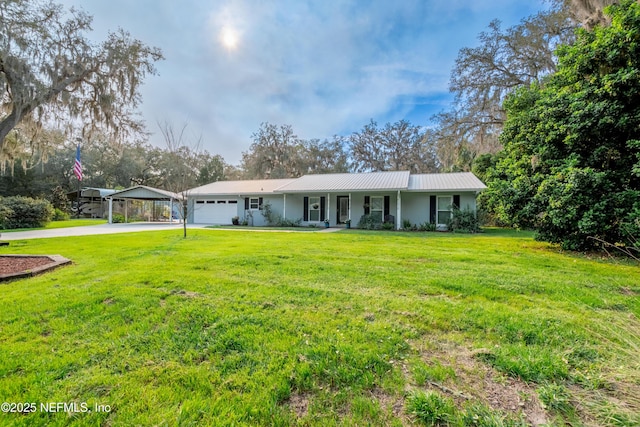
(24, 212)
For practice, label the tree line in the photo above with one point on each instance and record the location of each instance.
(544, 113)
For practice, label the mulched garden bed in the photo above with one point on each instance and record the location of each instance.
(19, 266)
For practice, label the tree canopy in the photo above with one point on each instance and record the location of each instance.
(50, 71)
(571, 161)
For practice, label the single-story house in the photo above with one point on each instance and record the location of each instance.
(391, 196)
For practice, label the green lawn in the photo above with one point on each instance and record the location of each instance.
(63, 224)
(349, 328)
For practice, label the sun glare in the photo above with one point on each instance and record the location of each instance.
(229, 38)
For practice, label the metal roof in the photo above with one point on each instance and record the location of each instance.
(458, 181)
(259, 186)
(142, 192)
(97, 192)
(373, 181)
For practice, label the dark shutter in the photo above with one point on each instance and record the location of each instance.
(456, 201)
(322, 208)
(387, 203)
(432, 209)
(305, 213)
(246, 203)
(367, 200)
(260, 203)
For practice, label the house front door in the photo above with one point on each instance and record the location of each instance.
(343, 209)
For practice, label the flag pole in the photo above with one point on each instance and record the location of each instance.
(77, 170)
(78, 201)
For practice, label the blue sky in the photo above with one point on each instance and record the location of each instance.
(324, 67)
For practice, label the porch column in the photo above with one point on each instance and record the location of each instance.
(328, 212)
(126, 213)
(171, 210)
(398, 211)
(284, 206)
(110, 210)
(349, 205)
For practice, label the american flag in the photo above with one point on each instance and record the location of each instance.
(77, 166)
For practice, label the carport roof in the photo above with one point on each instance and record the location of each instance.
(142, 192)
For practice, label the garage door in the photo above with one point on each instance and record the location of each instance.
(218, 211)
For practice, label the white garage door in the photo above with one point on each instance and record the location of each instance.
(219, 211)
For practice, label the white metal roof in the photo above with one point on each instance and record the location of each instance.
(259, 186)
(458, 181)
(142, 192)
(97, 192)
(397, 180)
(372, 181)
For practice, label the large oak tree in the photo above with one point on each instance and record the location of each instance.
(50, 71)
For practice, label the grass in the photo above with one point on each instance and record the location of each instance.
(348, 328)
(63, 224)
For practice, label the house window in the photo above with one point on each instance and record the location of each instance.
(314, 209)
(444, 209)
(254, 203)
(377, 207)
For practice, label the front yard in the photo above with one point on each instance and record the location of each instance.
(347, 328)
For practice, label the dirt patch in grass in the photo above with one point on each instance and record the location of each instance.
(390, 403)
(299, 404)
(474, 381)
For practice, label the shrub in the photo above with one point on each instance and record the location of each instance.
(369, 222)
(406, 225)
(389, 226)
(59, 200)
(427, 226)
(289, 222)
(269, 215)
(117, 218)
(60, 215)
(25, 212)
(463, 221)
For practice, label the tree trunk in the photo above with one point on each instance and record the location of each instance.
(185, 209)
(7, 124)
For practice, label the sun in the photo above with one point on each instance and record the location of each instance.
(229, 38)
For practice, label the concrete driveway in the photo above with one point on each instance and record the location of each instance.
(94, 229)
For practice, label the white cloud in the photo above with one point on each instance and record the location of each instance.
(322, 67)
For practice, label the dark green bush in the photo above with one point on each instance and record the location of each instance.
(427, 226)
(117, 218)
(24, 212)
(369, 222)
(5, 213)
(389, 226)
(464, 221)
(60, 215)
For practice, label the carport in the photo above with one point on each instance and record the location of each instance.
(142, 192)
